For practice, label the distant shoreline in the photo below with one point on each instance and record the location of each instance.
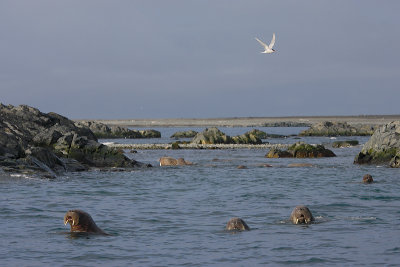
(250, 121)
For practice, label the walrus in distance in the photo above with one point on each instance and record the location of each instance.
(81, 222)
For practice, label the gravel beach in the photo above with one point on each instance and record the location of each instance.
(251, 121)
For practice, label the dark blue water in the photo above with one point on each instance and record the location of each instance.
(176, 215)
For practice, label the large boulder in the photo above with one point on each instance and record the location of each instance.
(251, 137)
(31, 140)
(149, 133)
(383, 147)
(328, 128)
(211, 136)
(301, 150)
(278, 153)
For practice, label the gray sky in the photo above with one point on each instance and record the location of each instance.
(187, 58)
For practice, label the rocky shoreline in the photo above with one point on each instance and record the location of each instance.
(48, 144)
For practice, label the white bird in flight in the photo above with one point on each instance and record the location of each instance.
(268, 48)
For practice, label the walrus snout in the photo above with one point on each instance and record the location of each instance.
(301, 215)
(72, 217)
(302, 219)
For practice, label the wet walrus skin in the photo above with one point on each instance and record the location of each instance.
(81, 221)
(301, 215)
(237, 224)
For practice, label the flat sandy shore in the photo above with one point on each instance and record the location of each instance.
(251, 121)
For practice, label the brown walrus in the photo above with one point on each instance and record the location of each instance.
(367, 179)
(237, 224)
(81, 221)
(301, 215)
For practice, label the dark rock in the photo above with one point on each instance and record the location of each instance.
(51, 144)
(102, 130)
(278, 153)
(328, 128)
(383, 147)
(260, 134)
(263, 135)
(348, 143)
(215, 136)
(184, 134)
(301, 150)
(175, 145)
(120, 132)
(247, 138)
(150, 134)
(211, 136)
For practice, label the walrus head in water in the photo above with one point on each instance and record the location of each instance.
(367, 179)
(81, 221)
(301, 215)
(237, 224)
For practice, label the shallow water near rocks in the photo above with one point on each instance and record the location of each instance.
(176, 215)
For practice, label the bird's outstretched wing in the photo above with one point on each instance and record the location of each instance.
(271, 44)
(263, 44)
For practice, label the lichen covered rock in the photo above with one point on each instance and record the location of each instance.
(32, 141)
(383, 147)
(102, 130)
(251, 137)
(301, 150)
(211, 136)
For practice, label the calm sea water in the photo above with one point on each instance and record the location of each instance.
(166, 216)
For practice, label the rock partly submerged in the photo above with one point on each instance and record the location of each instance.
(383, 147)
(184, 134)
(329, 128)
(346, 143)
(300, 150)
(214, 136)
(49, 144)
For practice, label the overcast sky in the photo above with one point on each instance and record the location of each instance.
(198, 59)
